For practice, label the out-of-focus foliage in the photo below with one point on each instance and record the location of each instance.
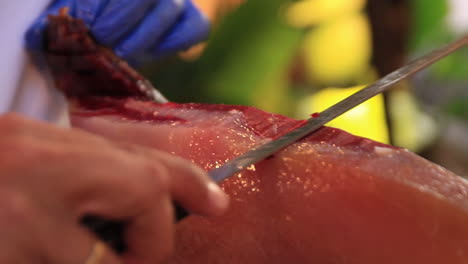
(249, 57)
(454, 67)
(430, 29)
(251, 50)
(448, 96)
(412, 128)
(458, 108)
(370, 113)
(244, 62)
(309, 13)
(338, 51)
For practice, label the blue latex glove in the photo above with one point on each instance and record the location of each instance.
(133, 28)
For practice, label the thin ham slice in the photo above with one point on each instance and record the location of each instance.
(330, 198)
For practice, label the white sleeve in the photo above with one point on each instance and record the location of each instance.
(23, 89)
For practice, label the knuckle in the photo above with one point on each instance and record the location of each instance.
(153, 183)
(157, 177)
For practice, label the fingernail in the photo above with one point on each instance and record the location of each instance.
(218, 198)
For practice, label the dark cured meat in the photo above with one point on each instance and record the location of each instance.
(331, 198)
(79, 64)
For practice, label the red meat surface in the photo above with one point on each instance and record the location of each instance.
(330, 198)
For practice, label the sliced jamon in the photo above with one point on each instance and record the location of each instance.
(331, 198)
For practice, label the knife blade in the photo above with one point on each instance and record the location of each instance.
(251, 157)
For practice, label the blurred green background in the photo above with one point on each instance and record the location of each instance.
(298, 57)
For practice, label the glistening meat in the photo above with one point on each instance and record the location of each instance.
(330, 198)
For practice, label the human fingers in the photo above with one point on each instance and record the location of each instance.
(35, 35)
(15, 129)
(192, 188)
(118, 18)
(101, 179)
(149, 32)
(92, 161)
(86, 176)
(150, 236)
(193, 27)
(37, 232)
(113, 184)
(138, 198)
(189, 185)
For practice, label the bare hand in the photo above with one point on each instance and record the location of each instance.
(51, 177)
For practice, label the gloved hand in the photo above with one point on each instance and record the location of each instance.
(133, 28)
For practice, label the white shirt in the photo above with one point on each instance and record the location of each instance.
(23, 89)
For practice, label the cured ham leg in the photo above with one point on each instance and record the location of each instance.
(332, 198)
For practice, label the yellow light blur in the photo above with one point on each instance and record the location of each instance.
(409, 121)
(311, 12)
(338, 51)
(366, 120)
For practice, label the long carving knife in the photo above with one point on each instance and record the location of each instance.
(251, 157)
